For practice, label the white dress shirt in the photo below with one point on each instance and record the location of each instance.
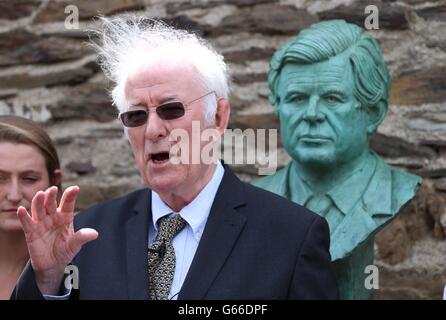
(186, 242)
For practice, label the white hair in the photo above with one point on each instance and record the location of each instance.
(128, 43)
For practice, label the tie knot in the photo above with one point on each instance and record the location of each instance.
(319, 204)
(169, 227)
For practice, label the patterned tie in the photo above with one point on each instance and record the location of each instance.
(161, 257)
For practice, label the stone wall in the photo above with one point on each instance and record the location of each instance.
(49, 75)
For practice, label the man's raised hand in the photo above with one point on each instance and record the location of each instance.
(52, 242)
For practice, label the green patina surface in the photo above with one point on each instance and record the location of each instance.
(330, 88)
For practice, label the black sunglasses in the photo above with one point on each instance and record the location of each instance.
(167, 111)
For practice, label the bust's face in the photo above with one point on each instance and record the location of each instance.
(321, 122)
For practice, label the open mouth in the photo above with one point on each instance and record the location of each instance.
(159, 157)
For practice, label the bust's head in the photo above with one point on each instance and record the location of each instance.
(330, 87)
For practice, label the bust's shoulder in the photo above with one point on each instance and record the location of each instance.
(403, 185)
(274, 182)
(402, 180)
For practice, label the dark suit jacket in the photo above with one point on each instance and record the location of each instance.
(256, 245)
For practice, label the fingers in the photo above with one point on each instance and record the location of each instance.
(50, 202)
(82, 237)
(68, 201)
(38, 206)
(45, 203)
(25, 219)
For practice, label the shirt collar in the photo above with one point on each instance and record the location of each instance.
(300, 192)
(343, 201)
(196, 212)
(358, 181)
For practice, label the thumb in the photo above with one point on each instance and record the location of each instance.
(82, 237)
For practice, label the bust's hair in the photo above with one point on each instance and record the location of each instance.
(20, 130)
(127, 43)
(328, 39)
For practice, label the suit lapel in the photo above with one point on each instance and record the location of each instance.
(364, 219)
(221, 232)
(136, 228)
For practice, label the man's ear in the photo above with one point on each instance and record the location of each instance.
(375, 116)
(222, 114)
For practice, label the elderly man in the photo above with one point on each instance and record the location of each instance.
(197, 232)
(330, 87)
